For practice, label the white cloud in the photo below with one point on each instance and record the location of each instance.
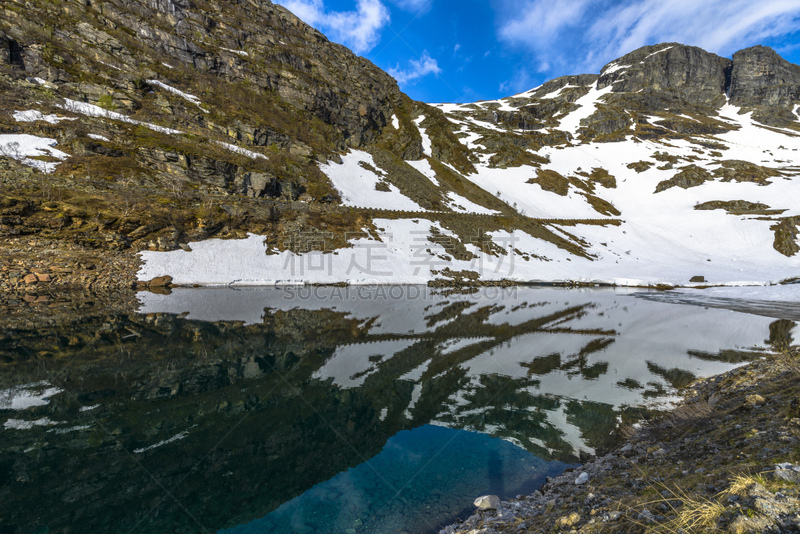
(417, 69)
(359, 29)
(415, 6)
(540, 22)
(582, 35)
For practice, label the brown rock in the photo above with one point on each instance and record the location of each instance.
(160, 281)
(43, 277)
(568, 520)
(30, 279)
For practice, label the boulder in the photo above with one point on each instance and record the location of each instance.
(160, 281)
(488, 502)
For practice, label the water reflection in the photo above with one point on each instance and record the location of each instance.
(212, 408)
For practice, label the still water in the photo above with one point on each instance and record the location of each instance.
(331, 409)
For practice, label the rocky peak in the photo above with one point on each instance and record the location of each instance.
(692, 72)
(761, 78)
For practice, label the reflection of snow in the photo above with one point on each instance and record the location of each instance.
(350, 365)
(27, 396)
(556, 344)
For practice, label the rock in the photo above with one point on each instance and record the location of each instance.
(659, 453)
(744, 524)
(568, 520)
(647, 515)
(788, 472)
(43, 277)
(761, 78)
(627, 448)
(754, 400)
(688, 71)
(30, 279)
(488, 502)
(5, 49)
(697, 279)
(160, 281)
(613, 516)
(583, 478)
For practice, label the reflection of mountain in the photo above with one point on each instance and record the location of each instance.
(173, 421)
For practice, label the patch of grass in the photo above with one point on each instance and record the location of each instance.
(640, 166)
(552, 181)
(689, 176)
(739, 207)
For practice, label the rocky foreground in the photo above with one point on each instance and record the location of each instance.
(726, 459)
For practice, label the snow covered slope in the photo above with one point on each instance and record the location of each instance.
(572, 181)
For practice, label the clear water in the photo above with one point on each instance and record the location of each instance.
(414, 484)
(335, 409)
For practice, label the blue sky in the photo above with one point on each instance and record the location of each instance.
(468, 50)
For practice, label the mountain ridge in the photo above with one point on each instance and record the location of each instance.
(163, 124)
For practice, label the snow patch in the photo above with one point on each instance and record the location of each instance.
(174, 438)
(25, 147)
(240, 52)
(243, 151)
(356, 184)
(33, 116)
(27, 396)
(186, 96)
(91, 110)
(20, 424)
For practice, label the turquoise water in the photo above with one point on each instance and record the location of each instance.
(420, 481)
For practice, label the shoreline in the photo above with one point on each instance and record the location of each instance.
(725, 458)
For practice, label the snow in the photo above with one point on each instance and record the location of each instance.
(356, 184)
(240, 52)
(20, 424)
(42, 81)
(242, 151)
(658, 52)
(557, 92)
(424, 167)
(660, 238)
(174, 438)
(99, 137)
(776, 293)
(614, 67)
(186, 96)
(27, 396)
(33, 116)
(588, 103)
(91, 110)
(24, 147)
(395, 122)
(427, 144)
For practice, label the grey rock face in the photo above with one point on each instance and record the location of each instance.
(762, 78)
(690, 71)
(5, 49)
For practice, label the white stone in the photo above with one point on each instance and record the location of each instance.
(488, 502)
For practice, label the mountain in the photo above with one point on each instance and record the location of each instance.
(228, 142)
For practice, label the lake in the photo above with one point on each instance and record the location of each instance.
(378, 409)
